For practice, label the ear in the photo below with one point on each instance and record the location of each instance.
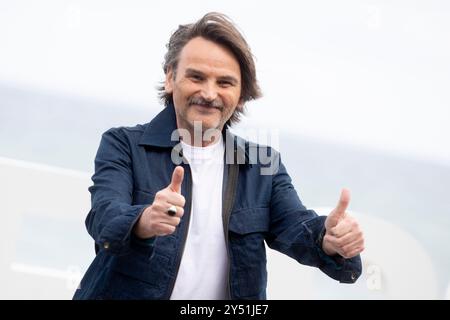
(168, 83)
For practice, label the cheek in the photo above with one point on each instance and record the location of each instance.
(184, 90)
(231, 99)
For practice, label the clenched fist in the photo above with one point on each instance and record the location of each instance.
(343, 235)
(155, 221)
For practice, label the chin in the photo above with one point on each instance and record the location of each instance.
(208, 125)
(207, 122)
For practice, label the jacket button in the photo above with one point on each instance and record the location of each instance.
(353, 276)
(106, 245)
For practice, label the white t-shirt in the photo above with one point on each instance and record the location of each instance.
(203, 268)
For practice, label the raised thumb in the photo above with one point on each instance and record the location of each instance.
(177, 179)
(344, 200)
(339, 212)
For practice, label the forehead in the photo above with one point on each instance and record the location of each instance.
(208, 56)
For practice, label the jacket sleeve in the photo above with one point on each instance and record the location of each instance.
(295, 231)
(112, 217)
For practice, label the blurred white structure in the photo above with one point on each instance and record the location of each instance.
(44, 247)
(395, 264)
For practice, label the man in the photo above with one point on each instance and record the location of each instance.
(181, 207)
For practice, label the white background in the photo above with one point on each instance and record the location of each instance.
(373, 73)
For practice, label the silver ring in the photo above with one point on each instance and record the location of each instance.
(172, 211)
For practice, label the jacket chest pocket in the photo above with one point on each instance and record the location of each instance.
(248, 221)
(248, 229)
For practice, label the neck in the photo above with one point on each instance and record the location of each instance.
(201, 139)
(198, 137)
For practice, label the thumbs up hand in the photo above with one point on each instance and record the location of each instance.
(343, 235)
(155, 220)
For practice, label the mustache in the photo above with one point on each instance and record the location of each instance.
(216, 103)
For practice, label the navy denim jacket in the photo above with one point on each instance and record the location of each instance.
(132, 164)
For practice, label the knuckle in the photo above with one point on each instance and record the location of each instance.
(160, 195)
(333, 231)
(147, 212)
(151, 208)
(168, 230)
(182, 200)
(328, 238)
(161, 230)
(156, 208)
(339, 223)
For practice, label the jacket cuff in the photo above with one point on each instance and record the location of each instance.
(337, 267)
(115, 238)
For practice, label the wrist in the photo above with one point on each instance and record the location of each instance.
(140, 229)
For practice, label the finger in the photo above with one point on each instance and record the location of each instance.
(165, 229)
(353, 245)
(332, 240)
(178, 214)
(354, 253)
(346, 243)
(175, 199)
(344, 200)
(347, 239)
(177, 179)
(161, 211)
(168, 197)
(342, 228)
(171, 221)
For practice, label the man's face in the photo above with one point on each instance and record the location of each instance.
(206, 86)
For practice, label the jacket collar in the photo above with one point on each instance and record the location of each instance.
(158, 133)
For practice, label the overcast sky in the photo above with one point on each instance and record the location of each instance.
(369, 73)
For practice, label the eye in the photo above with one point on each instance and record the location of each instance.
(196, 77)
(225, 84)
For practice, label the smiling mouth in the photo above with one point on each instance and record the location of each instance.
(209, 107)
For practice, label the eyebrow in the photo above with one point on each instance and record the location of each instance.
(231, 79)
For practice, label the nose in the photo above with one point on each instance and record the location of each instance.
(209, 92)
